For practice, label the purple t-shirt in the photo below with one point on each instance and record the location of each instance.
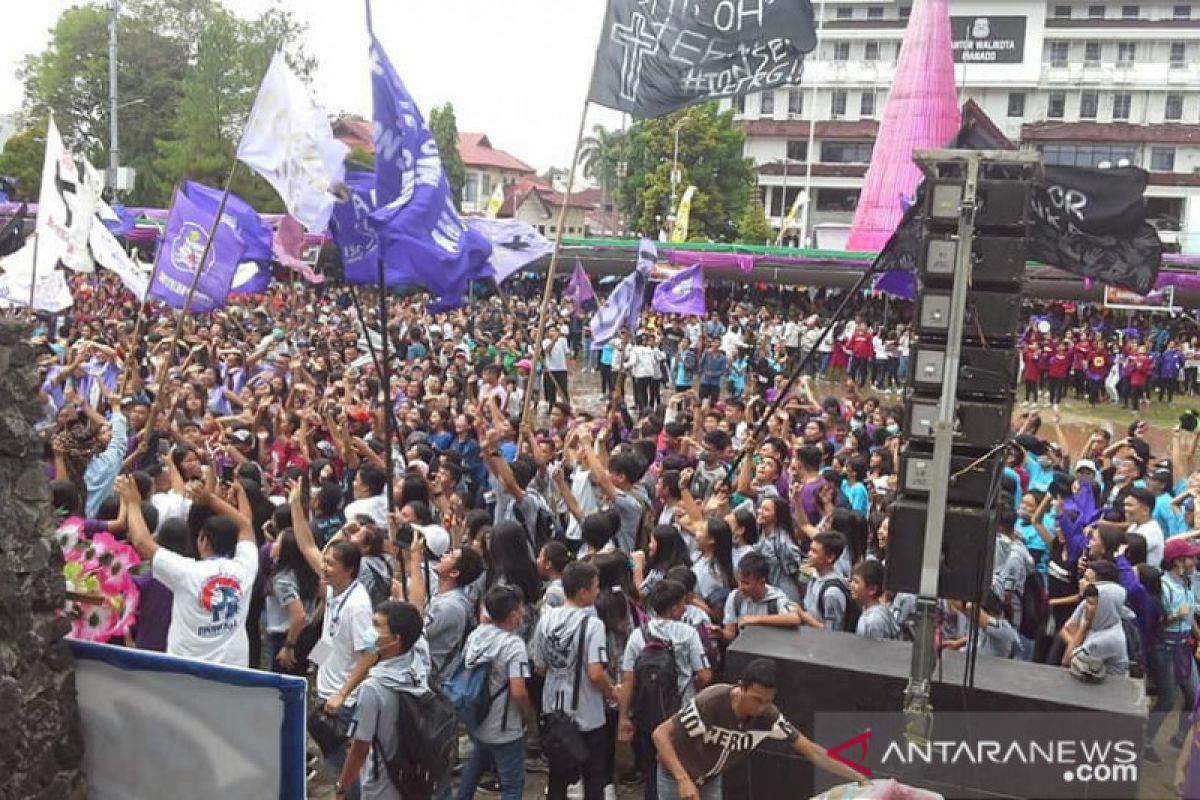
(154, 614)
(808, 498)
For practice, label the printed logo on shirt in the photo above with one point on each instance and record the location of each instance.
(221, 596)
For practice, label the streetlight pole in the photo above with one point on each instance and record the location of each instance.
(114, 129)
(676, 175)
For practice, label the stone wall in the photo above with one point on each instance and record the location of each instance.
(41, 745)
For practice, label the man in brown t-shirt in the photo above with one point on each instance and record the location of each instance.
(720, 728)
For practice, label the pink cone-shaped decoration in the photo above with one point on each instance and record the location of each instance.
(922, 112)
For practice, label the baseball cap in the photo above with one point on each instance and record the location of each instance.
(437, 539)
(1179, 548)
(241, 437)
(1086, 463)
(1161, 475)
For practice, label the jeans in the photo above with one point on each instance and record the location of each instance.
(510, 766)
(595, 771)
(337, 759)
(668, 788)
(1163, 672)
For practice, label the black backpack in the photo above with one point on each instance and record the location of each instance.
(1035, 606)
(427, 730)
(545, 528)
(656, 682)
(853, 612)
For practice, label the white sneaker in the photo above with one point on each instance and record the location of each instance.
(575, 791)
(610, 792)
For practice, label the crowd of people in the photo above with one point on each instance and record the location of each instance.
(571, 581)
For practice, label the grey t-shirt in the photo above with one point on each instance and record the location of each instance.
(446, 624)
(629, 511)
(738, 605)
(377, 714)
(556, 650)
(508, 658)
(784, 559)
(831, 609)
(877, 622)
(685, 645)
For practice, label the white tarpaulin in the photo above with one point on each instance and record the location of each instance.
(157, 726)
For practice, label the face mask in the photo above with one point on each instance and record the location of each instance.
(371, 640)
(893, 430)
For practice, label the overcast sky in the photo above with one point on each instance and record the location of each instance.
(517, 70)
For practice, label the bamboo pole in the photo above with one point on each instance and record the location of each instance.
(547, 293)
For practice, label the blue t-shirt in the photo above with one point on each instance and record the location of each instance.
(1168, 518)
(860, 499)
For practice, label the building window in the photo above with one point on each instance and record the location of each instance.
(1095, 12)
(905, 12)
(1057, 106)
(866, 108)
(1016, 104)
(874, 12)
(1059, 53)
(471, 188)
(1173, 109)
(1089, 104)
(844, 12)
(1126, 52)
(1091, 52)
(846, 152)
(1178, 54)
(795, 102)
(1130, 12)
(871, 51)
(797, 150)
(767, 104)
(1062, 12)
(1182, 11)
(837, 103)
(739, 104)
(1122, 103)
(841, 51)
(1162, 159)
(839, 200)
(1085, 155)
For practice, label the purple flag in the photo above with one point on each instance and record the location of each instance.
(897, 283)
(623, 308)
(682, 293)
(351, 228)
(421, 237)
(179, 258)
(255, 235)
(579, 290)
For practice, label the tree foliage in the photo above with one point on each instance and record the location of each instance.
(753, 227)
(22, 159)
(710, 158)
(444, 127)
(188, 74)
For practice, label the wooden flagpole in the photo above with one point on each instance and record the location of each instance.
(547, 293)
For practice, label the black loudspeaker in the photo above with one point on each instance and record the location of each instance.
(977, 424)
(971, 476)
(967, 550)
(991, 316)
(985, 372)
(997, 261)
(1002, 204)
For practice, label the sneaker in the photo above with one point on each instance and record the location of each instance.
(1148, 755)
(489, 784)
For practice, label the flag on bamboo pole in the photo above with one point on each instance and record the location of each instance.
(179, 257)
(352, 231)
(422, 239)
(623, 308)
(289, 142)
(515, 244)
(66, 207)
(682, 293)
(683, 216)
(579, 290)
(495, 202)
(656, 57)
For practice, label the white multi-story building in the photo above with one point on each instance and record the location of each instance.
(1084, 82)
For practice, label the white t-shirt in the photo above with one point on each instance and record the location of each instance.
(343, 634)
(374, 507)
(212, 599)
(1153, 534)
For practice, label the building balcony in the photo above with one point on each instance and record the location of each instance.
(1139, 74)
(1114, 25)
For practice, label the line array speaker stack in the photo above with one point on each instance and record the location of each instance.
(994, 261)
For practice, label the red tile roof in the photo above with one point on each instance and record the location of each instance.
(477, 151)
(1164, 133)
(516, 194)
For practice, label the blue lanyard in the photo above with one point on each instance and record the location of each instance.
(337, 613)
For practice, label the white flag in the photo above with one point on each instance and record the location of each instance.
(50, 290)
(66, 207)
(288, 141)
(108, 251)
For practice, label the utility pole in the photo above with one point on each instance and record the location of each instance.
(114, 125)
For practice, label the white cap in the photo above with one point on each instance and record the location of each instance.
(1086, 463)
(437, 539)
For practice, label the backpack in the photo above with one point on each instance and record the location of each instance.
(378, 585)
(648, 519)
(545, 528)
(853, 612)
(468, 689)
(1133, 648)
(1035, 607)
(427, 730)
(740, 601)
(656, 682)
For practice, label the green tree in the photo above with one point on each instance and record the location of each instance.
(710, 158)
(444, 127)
(753, 227)
(22, 159)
